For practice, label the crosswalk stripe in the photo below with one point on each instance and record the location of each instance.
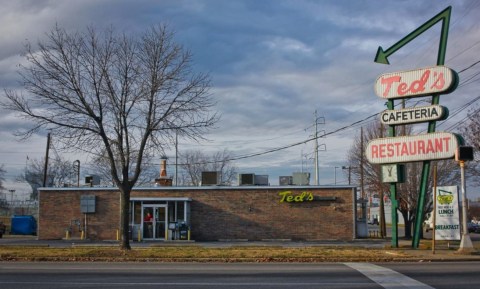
(387, 278)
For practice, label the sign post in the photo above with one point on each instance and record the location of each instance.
(464, 153)
(442, 50)
(393, 190)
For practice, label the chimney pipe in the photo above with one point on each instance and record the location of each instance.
(163, 181)
(163, 168)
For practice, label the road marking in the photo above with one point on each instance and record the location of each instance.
(195, 284)
(387, 278)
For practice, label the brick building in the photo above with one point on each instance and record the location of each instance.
(211, 212)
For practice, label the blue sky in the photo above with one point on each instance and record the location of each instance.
(272, 64)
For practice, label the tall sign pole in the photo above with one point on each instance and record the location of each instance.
(393, 189)
(382, 57)
(442, 50)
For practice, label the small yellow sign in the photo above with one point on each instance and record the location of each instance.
(289, 197)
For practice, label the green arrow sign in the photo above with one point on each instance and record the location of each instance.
(382, 55)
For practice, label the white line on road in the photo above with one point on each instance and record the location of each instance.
(196, 284)
(387, 278)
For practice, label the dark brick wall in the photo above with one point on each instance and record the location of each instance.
(57, 210)
(216, 213)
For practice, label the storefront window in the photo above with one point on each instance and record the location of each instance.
(181, 212)
(172, 212)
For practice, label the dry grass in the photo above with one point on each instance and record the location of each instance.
(200, 254)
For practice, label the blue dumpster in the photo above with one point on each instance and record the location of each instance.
(24, 225)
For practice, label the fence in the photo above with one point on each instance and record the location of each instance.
(10, 209)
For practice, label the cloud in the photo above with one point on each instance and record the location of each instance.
(272, 63)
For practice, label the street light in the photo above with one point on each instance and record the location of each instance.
(336, 174)
(11, 192)
(349, 172)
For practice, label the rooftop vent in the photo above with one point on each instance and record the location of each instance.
(246, 179)
(211, 178)
(261, 180)
(285, 180)
(301, 179)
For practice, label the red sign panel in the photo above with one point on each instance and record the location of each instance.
(432, 146)
(414, 83)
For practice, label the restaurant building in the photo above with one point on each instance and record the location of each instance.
(204, 213)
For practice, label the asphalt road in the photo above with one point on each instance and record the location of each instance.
(16, 275)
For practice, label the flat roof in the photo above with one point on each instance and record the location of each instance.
(173, 188)
(180, 199)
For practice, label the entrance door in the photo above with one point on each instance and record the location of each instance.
(154, 221)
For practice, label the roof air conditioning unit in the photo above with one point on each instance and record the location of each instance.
(211, 178)
(285, 180)
(92, 180)
(261, 180)
(246, 179)
(301, 179)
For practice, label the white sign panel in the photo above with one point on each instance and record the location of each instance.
(419, 82)
(413, 115)
(431, 146)
(447, 218)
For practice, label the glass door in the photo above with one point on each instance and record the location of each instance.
(154, 221)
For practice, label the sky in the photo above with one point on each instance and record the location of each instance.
(273, 64)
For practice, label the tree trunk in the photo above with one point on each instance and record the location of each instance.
(383, 225)
(408, 224)
(124, 218)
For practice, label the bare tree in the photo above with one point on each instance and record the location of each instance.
(100, 165)
(108, 92)
(470, 130)
(61, 172)
(193, 163)
(407, 192)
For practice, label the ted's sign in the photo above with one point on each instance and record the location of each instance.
(414, 83)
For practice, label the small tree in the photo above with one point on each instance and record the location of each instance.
(113, 94)
(193, 163)
(61, 172)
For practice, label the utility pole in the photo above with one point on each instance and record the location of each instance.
(316, 150)
(317, 181)
(301, 160)
(176, 158)
(45, 169)
(361, 164)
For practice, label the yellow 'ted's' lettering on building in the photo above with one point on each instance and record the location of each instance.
(289, 197)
